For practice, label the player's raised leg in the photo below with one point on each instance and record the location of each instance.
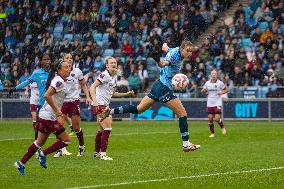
(145, 104)
(179, 110)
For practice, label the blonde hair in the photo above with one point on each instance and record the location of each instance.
(185, 43)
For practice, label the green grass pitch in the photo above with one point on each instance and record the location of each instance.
(149, 155)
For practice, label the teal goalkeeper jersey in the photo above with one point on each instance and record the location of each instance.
(40, 77)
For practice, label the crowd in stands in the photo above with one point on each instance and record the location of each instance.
(246, 49)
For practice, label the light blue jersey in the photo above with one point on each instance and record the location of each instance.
(167, 73)
(40, 77)
(1, 86)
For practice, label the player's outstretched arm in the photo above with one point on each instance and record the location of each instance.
(26, 82)
(128, 94)
(163, 64)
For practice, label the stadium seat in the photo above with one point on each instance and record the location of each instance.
(105, 36)
(97, 36)
(68, 36)
(100, 43)
(57, 35)
(29, 36)
(58, 28)
(117, 52)
(282, 28)
(263, 26)
(108, 52)
(246, 43)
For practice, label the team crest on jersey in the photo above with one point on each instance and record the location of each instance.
(215, 86)
(58, 84)
(73, 75)
(172, 59)
(102, 76)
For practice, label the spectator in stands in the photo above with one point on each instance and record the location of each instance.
(127, 49)
(113, 39)
(143, 75)
(10, 39)
(238, 77)
(46, 41)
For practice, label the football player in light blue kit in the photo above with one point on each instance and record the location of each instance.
(40, 77)
(162, 92)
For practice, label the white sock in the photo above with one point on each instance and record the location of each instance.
(185, 143)
(103, 153)
(63, 149)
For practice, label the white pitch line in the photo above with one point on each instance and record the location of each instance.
(177, 178)
(118, 134)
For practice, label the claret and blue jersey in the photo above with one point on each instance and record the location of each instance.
(40, 77)
(168, 72)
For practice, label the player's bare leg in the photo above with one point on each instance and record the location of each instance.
(79, 132)
(106, 130)
(145, 104)
(220, 122)
(179, 110)
(211, 126)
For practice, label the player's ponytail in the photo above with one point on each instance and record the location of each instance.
(53, 70)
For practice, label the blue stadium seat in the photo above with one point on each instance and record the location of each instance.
(117, 52)
(58, 28)
(68, 36)
(246, 43)
(105, 36)
(29, 36)
(108, 52)
(263, 26)
(100, 43)
(282, 28)
(57, 35)
(97, 36)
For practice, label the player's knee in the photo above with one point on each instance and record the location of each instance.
(77, 130)
(67, 142)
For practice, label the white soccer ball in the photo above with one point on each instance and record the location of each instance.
(180, 82)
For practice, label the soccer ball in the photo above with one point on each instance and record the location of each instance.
(180, 82)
